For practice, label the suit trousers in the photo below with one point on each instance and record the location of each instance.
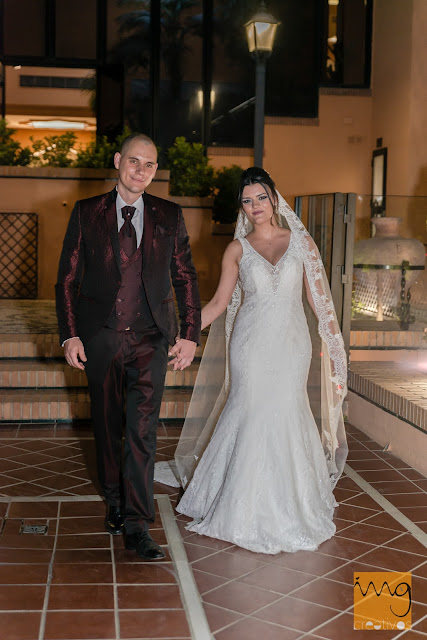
(126, 374)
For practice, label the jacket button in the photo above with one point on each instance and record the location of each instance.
(119, 313)
(138, 314)
(119, 300)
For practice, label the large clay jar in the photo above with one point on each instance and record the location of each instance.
(378, 290)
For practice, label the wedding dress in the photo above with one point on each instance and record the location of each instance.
(260, 454)
(263, 482)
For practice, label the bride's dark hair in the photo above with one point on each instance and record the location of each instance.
(256, 175)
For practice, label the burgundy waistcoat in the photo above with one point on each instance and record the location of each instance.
(131, 308)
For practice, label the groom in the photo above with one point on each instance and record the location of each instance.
(116, 314)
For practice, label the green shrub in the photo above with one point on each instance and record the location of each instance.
(11, 152)
(98, 154)
(54, 151)
(225, 206)
(190, 173)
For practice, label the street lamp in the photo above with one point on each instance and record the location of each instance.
(260, 34)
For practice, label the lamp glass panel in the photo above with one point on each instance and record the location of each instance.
(250, 36)
(265, 33)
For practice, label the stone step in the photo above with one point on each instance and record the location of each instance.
(396, 387)
(32, 374)
(43, 345)
(381, 339)
(49, 405)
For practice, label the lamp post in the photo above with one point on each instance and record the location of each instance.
(260, 34)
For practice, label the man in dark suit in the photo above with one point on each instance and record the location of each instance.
(116, 314)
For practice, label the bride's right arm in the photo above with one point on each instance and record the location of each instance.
(227, 283)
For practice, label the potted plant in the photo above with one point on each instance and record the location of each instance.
(225, 206)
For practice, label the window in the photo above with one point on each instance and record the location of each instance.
(347, 34)
(51, 82)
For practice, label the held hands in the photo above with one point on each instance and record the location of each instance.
(74, 353)
(184, 351)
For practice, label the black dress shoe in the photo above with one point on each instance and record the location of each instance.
(144, 546)
(114, 521)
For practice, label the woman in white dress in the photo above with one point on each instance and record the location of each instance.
(266, 477)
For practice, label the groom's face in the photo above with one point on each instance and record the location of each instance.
(137, 165)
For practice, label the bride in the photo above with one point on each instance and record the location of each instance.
(258, 470)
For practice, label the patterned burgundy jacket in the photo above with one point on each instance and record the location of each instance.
(89, 275)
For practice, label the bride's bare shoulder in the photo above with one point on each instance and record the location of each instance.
(234, 250)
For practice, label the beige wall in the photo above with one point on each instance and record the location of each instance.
(417, 165)
(51, 193)
(52, 197)
(27, 97)
(331, 153)
(399, 85)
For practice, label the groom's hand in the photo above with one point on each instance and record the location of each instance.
(74, 353)
(183, 352)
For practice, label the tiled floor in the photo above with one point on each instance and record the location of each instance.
(78, 583)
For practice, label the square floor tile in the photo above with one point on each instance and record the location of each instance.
(227, 565)
(310, 562)
(23, 574)
(343, 548)
(252, 629)
(82, 596)
(196, 552)
(149, 597)
(79, 625)
(154, 624)
(240, 597)
(391, 560)
(218, 618)
(91, 524)
(384, 520)
(83, 509)
(367, 533)
(407, 542)
(327, 593)
(21, 597)
(296, 614)
(145, 573)
(80, 556)
(73, 574)
(342, 627)
(206, 581)
(277, 579)
(365, 501)
(25, 556)
(84, 541)
(400, 500)
(20, 626)
(26, 541)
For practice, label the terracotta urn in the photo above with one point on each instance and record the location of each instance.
(386, 249)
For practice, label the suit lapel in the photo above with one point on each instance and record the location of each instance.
(149, 224)
(111, 220)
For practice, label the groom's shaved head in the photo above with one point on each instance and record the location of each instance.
(140, 137)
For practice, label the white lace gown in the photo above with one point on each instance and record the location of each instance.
(262, 482)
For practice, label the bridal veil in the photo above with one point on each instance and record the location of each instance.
(327, 382)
